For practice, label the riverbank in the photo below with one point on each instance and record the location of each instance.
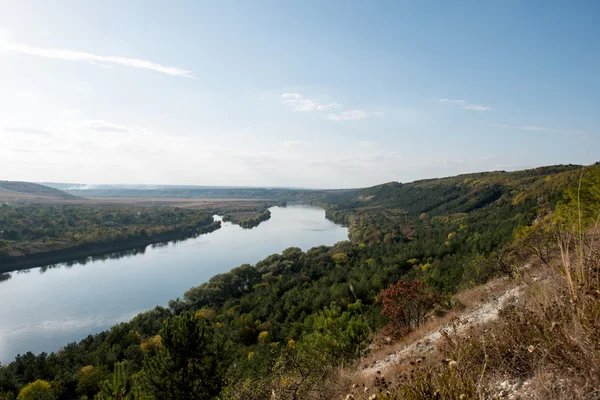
(81, 252)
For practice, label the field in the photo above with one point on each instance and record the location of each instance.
(224, 204)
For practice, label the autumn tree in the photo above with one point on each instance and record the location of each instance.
(406, 304)
(38, 390)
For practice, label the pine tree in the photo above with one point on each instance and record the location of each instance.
(121, 387)
(338, 335)
(186, 366)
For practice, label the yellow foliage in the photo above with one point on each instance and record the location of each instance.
(86, 370)
(152, 344)
(38, 390)
(518, 198)
(263, 337)
(250, 355)
(340, 258)
(206, 313)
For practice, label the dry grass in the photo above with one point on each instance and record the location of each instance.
(543, 346)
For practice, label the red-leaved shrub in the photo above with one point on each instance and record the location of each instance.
(406, 304)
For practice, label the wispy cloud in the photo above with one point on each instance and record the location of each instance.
(465, 105)
(291, 143)
(300, 103)
(537, 128)
(70, 55)
(26, 130)
(523, 128)
(103, 126)
(353, 115)
(367, 143)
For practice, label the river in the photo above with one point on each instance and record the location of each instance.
(46, 308)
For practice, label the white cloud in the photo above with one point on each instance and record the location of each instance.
(69, 55)
(69, 112)
(452, 101)
(353, 115)
(475, 107)
(291, 143)
(26, 130)
(103, 126)
(465, 105)
(299, 103)
(367, 143)
(523, 128)
(537, 128)
(492, 157)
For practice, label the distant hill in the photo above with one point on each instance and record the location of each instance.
(457, 194)
(303, 195)
(33, 189)
(462, 193)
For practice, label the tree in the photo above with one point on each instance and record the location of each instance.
(406, 304)
(38, 390)
(187, 365)
(120, 388)
(90, 378)
(4, 248)
(337, 335)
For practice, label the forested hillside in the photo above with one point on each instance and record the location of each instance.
(283, 325)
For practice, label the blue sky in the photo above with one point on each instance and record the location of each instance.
(307, 93)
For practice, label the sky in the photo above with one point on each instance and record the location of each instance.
(316, 94)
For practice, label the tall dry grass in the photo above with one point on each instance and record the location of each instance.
(546, 345)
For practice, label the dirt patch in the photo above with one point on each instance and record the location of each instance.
(451, 326)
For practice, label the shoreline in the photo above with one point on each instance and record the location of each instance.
(18, 263)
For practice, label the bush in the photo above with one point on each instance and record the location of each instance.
(38, 390)
(407, 305)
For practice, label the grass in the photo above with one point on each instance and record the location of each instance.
(544, 345)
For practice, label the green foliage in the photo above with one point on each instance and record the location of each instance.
(335, 335)
(247, 219)
(449, 234)
(580, 206)
(38, 390)
(7, 396)
(90, 379)
(28, 229)
(188, 365)
(121, 387)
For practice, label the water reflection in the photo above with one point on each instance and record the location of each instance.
(44, 311)
(115, 255)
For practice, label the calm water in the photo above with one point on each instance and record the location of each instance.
(43, 309)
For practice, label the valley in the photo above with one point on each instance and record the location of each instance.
(303, 296)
